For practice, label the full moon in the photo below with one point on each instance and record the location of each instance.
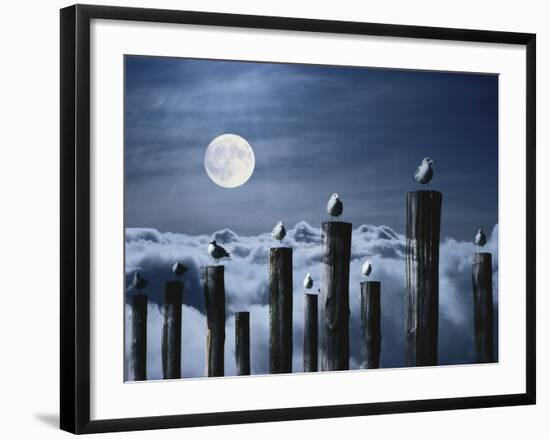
(229, 160)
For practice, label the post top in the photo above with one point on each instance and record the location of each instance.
(425, 192)
(214, 267)
(280, 248)
(370, 282)
(336, 223)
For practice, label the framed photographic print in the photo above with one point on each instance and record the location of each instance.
(269, 218)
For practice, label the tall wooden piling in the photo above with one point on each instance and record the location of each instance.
(334, 306)
(422, 277)
(214, 298)
(371, 337)
(171, 330)
(137, 367)
(310, 333)
(482, 280)
(242, 342)
(280, 310)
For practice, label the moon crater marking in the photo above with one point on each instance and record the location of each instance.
(229, 160)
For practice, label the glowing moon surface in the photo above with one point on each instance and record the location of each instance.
(229, 160)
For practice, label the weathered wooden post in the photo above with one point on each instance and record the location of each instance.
(242, 342)
(422, 277)
(482, 279)
(280, 310)
(334, 306)
(371, 338)
(214, 298)
(171, 330)
(310, 333)
(137, 367)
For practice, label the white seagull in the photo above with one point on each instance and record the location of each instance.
(366, 268)
(217, 251)
(424, 173)
(308, 281)
(279, 231)
(138, 282)
(179, 269)
(480, 239)
(335, 206)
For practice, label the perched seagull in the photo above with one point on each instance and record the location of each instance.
(335, 206)
(217, 251)
(139, 283)
(308, 281)
(179, 269)
(366, 268)
(279, 231)
(424, 173)
(480, 239)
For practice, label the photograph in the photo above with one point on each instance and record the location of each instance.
(299, 218)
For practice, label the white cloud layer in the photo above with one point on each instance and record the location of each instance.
(153, 253)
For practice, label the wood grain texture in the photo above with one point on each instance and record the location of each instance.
(214, 298)
(280, 310)
(422, 276)
(171, 330)
(242, 342)
(371, 335)
(311, 333)
(137, 364)
(482, 281)
(334, 297)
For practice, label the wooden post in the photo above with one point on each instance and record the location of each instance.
(214, 298)
(371, 338)
(422, 277)
(334, 312)
(137, 367)
(482, 279)
(310, 333)
(242, 342)
(280, 310)
(171, 330)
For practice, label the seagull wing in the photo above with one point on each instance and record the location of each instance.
(416, 175)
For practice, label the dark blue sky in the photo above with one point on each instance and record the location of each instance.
(315, 130)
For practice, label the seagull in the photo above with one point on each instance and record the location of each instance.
(480, 239)
(217, 251)
(366, 268)
(139, 283)
(179, 269)
(279, 231)
(424, 173)
(308, 281)
(335, 206)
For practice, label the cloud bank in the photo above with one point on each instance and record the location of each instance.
(153, 253)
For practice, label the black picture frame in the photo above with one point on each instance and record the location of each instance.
(75, 217)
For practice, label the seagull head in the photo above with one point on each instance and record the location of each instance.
(280, 223)
(212, 242)
(308, 275)
(428, 161)
(479, 230)
(335, 196)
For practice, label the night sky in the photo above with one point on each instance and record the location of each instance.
(315, 130)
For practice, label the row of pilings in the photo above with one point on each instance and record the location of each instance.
(326, 316)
